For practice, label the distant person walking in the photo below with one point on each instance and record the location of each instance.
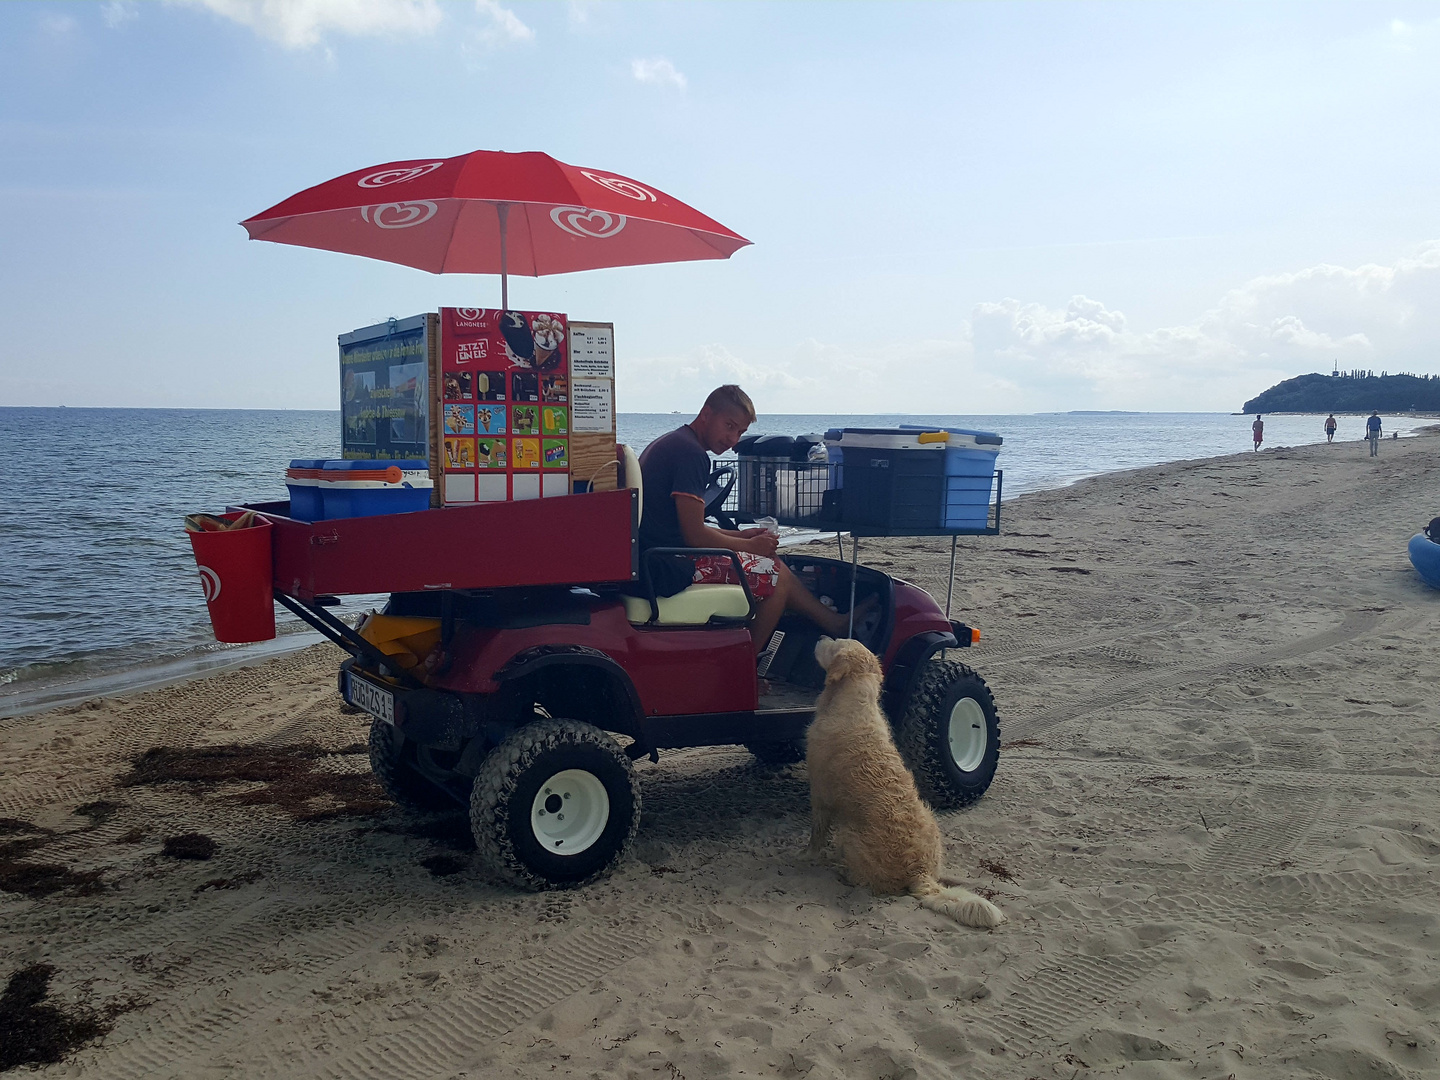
(1330, 426)
(1257, 429)
(1372, 433)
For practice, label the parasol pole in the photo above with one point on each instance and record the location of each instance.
(503, 209)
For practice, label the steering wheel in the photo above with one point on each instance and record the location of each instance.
(722, 479)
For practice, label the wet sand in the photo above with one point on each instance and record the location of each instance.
(1214, 830)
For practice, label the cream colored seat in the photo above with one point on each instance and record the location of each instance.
(694, 606)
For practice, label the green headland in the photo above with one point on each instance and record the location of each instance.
(1352, 392)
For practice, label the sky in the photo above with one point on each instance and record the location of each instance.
(955, 208)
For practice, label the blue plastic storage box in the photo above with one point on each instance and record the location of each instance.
(364, 488)
(894, 480)
(303, 482)
(969, 475)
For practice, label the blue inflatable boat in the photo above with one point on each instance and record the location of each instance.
(1425, 556)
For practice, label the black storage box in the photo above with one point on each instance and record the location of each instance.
(892, 488)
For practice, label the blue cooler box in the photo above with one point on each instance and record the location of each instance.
(302, 480)
(365, 488)
(893, 479)
(969, 476)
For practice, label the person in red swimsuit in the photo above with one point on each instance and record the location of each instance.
(676, 472)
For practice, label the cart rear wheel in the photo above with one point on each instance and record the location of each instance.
(554, 806)
(949, 735)
(392, 760)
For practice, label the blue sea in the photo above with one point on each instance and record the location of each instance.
(97, 578)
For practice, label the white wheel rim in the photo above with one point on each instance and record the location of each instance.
(570, 812)
(967, 734)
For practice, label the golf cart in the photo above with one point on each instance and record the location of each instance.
(520, 675)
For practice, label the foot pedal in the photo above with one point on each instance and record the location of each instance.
(767, 656)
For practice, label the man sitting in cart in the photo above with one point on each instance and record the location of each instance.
(676, 472)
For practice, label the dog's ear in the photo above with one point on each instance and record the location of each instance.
(848, 657)
(825, 652)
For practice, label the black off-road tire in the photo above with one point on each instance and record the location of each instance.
(778, 753)
(511, 783)
(394, 767)
(947, 689)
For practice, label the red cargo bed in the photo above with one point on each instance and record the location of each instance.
(571, 540)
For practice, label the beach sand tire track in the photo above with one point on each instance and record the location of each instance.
(1355, 624)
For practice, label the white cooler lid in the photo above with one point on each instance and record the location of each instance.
(905, 440)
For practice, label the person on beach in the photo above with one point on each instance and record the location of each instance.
(1372, 433)
(1257, 429)
(675, 469)
(1330, 426)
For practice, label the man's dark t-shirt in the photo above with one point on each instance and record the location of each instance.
(674, 464)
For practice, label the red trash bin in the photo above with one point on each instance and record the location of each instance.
(235, 574)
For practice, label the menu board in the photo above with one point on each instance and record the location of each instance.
(505, 404)
(385, 390)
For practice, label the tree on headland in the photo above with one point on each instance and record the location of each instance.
(1356, 391)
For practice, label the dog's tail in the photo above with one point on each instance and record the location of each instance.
(960, 904)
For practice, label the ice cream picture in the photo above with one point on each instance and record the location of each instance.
(460, 419)
(519, 340)
(547, 335)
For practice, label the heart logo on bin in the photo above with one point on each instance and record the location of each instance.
(209, 584)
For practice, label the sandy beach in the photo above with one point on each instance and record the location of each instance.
(1215, 830)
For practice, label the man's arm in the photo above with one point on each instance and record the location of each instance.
(691, 512)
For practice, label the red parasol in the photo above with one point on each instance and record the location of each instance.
(491, 212)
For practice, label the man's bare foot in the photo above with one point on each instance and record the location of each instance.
(840, 624)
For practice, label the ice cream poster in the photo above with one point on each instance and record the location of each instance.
(459, 419)
(459, 454)
(490, 419)
(488, 339)
(526, 453)
(490, 453)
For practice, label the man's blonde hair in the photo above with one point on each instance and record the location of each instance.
(731, 399)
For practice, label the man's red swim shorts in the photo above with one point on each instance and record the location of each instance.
(760, 572)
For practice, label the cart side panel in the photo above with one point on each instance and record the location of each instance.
(577, 539)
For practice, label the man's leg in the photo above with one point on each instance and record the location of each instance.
(791, 595)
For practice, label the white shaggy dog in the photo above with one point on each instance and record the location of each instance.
(860, 788)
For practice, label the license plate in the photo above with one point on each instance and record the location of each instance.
(365, 695)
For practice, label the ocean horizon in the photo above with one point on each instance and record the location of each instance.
(100, 583)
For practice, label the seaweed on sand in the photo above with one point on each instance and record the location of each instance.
(192, 845)
(36, 1032)
(19, 874)
(292, 780)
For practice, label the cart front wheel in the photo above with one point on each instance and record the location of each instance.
(949, 735)
(554, 806)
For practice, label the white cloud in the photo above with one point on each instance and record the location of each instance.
(503, 24)
(115, 13)
(1015, 356)
(1380, 317)
(57, 24)
(659, 71)
(300, 24)
(578, 13)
